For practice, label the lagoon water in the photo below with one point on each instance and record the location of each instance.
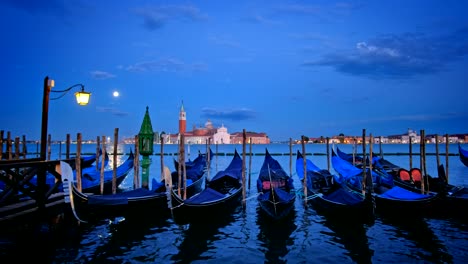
(245, 236)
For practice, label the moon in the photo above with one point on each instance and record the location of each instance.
(116, 94)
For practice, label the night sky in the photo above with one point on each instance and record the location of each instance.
(286, 68)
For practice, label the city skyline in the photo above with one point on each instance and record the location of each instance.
(284, 68)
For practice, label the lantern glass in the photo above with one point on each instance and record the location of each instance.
(82, 97)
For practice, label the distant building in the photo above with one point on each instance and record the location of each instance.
(255, 138)
(222, 136)
(182, 119)
(201, 135)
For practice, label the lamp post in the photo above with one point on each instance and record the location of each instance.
(82, 98)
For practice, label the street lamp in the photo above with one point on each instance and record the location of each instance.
(82, 98)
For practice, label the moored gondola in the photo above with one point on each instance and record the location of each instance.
(389, 198)
(327, 195)
(276, 194)
(222, 193)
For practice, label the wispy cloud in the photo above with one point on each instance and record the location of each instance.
(111, 110)
(231, 114)
(166, 65)
(398, 56)
(299, 9)
(224, 41)
(101, 75)
(260, 19)
(155, 17)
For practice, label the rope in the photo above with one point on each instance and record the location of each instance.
(251, 197)
(271, 187)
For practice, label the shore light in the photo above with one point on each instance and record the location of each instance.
(82, 98)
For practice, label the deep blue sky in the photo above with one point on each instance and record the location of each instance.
(286, 68)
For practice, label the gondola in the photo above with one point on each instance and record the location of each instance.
(86, 161)
(195, 173)
(451, 199)
(348, 157)
(463, 155)
(87, 173)
(136, 201)
(328, 196)
(189, 164)
(276, 194)
(388, 197)
(91, 178)
(123, 203)
(222, 193)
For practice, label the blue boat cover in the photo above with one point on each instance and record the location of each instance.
(232, 169)
(207, 195)
(348, 171)
(281, 196)
(347, 157)
(403, 194)
(118, 198)
(90, 176)
(271, 169)
(344, 197)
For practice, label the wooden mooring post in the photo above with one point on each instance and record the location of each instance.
(437, 150)
(17, 147)
(98, 147)
(162, 158)
(136, 165)
(304, 180)
(250, 160)
(184, 171)
(25, 148)
(114, 163)
(67, 151)
(290, 157)
(1, 144)
(49, 147)
(410, 153)
(364, 166)
(328, 153)
(421, 160)
(179, 169)
(101, 176)
(244, 139)
(447, 157)
(78, 162)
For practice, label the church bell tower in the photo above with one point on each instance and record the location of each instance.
(182, 120)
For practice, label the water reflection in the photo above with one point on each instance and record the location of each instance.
(352, 234)
(275, 235)
(425, 246)
(115, 238)
(199, 237)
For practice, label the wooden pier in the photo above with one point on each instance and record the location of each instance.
(20, 199)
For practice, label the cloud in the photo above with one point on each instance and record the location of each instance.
(101, 75)
(297, 9)
(398, 56)
(225, 41)
(259, 19)
(112, 111)
(232, 114)
(155, 17)
(166, 65)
